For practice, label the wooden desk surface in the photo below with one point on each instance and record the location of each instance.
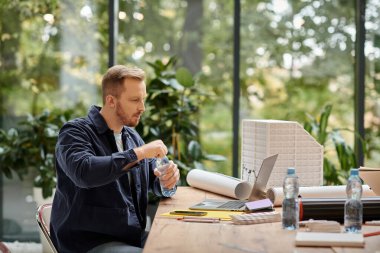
(171, 235)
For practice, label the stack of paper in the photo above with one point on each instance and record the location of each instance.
(329, 239)
(255, 218)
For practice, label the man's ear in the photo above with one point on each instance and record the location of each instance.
(110, 101)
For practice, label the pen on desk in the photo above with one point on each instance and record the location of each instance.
(199, 219)
(371, 234)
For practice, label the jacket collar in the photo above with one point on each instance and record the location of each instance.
(99, 122)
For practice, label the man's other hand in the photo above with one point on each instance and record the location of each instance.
(154, 149)
(171, 176)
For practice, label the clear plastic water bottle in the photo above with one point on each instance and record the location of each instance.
(290, 209)
(162, 164)
(353, 208)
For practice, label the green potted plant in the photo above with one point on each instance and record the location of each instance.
(29, 148)
(172, 114)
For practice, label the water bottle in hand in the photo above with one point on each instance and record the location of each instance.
(162, 164)
(353, 208)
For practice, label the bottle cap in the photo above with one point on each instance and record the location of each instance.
(354, 172)
(291, 171)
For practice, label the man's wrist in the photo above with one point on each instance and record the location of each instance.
(139, 153)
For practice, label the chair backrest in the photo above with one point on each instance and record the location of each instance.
(3, 248)
(43, 220)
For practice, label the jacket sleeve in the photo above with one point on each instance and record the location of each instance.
(77, 158)
(154, 182)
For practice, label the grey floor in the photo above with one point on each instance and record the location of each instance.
(24, 247)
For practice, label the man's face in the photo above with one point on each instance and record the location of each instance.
(130, 104)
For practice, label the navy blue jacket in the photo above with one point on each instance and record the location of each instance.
(94, 201)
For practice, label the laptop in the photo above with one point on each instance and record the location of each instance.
(258, 191)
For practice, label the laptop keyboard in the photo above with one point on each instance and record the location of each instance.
(233, 204)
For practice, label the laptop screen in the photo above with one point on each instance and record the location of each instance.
(258, 190)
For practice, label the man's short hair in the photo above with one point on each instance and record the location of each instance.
(112, 83)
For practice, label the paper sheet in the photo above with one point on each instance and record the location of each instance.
(276, 194)
(223, 215)
(219, 183)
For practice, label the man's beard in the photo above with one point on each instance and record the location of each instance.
(124, 119)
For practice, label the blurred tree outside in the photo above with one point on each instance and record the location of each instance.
(49, 55)
(296, 57)
(372, 114)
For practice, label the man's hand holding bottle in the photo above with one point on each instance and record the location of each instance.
(167, 171)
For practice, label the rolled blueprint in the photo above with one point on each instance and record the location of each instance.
(276, 194)
(219, 183)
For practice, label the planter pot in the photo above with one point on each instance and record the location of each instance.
(37, 194)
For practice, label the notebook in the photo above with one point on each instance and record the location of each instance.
(258, 191)
(259, 205)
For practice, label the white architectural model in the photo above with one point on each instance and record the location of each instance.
(295, 146)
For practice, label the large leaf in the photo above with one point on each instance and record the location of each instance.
(215, 158)
(322, 136)
(199, 166)
(184, 77)
(182, 165)
(308, 127)
(175, 84)
(194, 150)
(330, 173)
(346, 155)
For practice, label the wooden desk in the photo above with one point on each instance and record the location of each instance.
(171, 235)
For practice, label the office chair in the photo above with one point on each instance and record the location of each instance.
(43, 220)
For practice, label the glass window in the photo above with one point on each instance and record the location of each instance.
(51, 55)
(372, 102)
(199, 34)
(296, 58)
